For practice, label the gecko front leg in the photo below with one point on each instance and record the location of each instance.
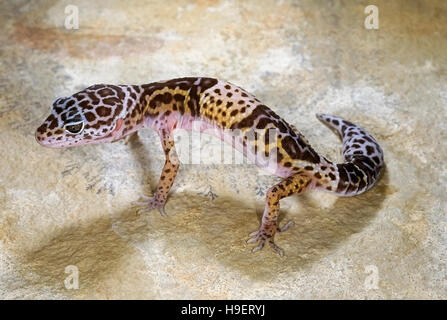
(168, 174)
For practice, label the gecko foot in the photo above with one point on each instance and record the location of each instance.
(265, 235)
(150, 203)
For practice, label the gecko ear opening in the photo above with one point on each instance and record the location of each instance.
(118, 125)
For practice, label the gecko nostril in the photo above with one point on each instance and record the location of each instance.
(39, 138)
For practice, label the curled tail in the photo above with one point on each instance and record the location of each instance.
(363, 155)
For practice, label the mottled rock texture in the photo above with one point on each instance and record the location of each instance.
(73, 206)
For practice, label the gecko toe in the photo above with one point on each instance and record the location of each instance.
(262, 236)
(251, 240)
(162, 212)
(254, 233)
(285, 227)
(277, 249)
(143, 210)
(259, 247)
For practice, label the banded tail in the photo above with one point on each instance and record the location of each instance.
(363, 155)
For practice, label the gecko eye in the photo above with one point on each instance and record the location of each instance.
(75, 127)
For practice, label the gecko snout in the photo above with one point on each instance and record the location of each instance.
(40, 137)
(45, 137)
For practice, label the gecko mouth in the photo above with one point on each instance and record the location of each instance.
(49, 144)
(39, 139)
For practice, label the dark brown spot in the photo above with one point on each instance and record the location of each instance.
(206, 83)
(369, 150)
(69, 103)
(290, 146)
(103, 111)
(118, 110)
(376, 159)
(262, 123)
(248, 121)
(94, 99)
(167, 97)
(111, 101)
(90, 116)
(119, 91)
(53, 124)
(179, 97)
(105, 92)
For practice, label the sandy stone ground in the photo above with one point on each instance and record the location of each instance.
(68, 210)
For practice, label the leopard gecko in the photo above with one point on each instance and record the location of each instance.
(105, 113)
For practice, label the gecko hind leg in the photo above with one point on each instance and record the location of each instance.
(295, 184)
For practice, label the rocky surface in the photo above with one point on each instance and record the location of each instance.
(72, 207)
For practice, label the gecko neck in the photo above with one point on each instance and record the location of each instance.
(169, 104)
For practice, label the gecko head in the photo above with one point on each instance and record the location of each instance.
(89, 116)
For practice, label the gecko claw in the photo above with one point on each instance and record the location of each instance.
(254, 233)
(265, 235)
(262, 243)
(277, 249)
(286, 226)
(162, 211)
(259, 247)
